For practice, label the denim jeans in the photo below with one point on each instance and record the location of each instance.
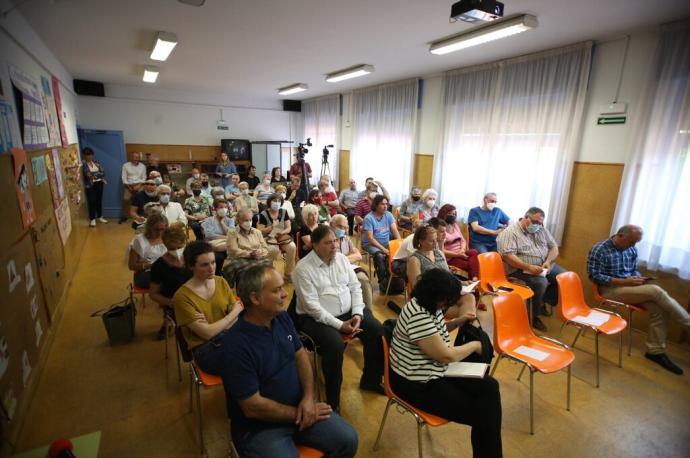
(207, 354)
(334, 437)
(483, 247)
(545, 288)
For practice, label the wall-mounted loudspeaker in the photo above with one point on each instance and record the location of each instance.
(292, 105)
(93, 88)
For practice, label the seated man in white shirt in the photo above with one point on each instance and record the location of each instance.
(133, 177)
(330, 307)
(172, 210)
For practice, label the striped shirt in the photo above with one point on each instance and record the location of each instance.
(529, 248)
(406, 358)
(605, 261)
(363, 207)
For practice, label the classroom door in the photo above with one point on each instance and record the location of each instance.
(109, 149)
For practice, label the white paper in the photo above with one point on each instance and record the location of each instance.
(465, 369)
(467, 289)
(543, 273)
(595, 318)
(26, 367)
(530, 352)
(39, 333)
(29, 276)
(12, 278)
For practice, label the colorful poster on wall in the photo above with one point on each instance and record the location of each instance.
(34, 123)
(54, 170)
(49, 112)
(63, 216)
(38, 167)
(21, 183)
(60, 113)
(6, 117)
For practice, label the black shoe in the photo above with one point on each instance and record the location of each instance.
(665, 362)
(374, 387)
(546, 310)
(161, 332)
(395, 307)
(538, 324)
(122, 220)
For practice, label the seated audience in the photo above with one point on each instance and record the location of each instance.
(206, 186)
(263, 190)
(178, 195)
(399, 264)
(275, 226)
(330, 306)
(287, 206)
(145, 248)
(429, 208)
(529, 251)
(315, 199)
(205, 307)
(269, 383)
(486, 222)
(172, 210)
(168, 273)
(196, 176)
(133, 177)
(612, 264)
(378, 184)
(155, 175)
(455, 246)
(363, 207)
(232, 190)
(296, 171)
(216, 230)
(246, 248)
(377, 230)
(329, 199)
(297, 195)
(216, 193)
(197, 209)
(345, 246)
(348, 201)
(139, 200)
(310, 221)
(252, 180)
(277, 177)
(246, 201)
(419, 356)
(410, 209)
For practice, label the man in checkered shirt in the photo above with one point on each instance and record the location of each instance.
(612, 264)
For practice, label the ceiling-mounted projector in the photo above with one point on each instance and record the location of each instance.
(476, 10)
(193, 2)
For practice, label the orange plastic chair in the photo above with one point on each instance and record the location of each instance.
(142, 291)
(571, 304)
(512, 334)
(365, 254)
(393, 247)
(630, 308)
(423, 418)
(308, 452)
(492, 277)
(198, 379)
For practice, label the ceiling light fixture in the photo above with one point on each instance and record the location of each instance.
(352, 72)
(493, 31)
(165, 43)
(293, 89)
(150, 74)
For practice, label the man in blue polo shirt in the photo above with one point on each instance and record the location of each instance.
(486, 222)
(378, 229)
(268, 379)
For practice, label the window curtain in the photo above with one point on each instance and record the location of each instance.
(384, 122)
(513, 127)
(655, 191)
(321, 125)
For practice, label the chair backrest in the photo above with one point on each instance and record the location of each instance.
(185, 352)
(596, 293)
(490, 270)
(386, 369)
(292, 310)
(571, 299)
(510, 320)
(393, 247)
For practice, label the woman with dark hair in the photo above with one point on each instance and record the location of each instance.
(94, 179)
(276, 177)
(314, 198)
(455, 246)
(419, 356)
(205, 306)
(426, 255)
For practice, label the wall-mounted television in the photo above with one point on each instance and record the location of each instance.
(237, 150)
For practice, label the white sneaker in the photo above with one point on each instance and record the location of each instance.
(102, 220)
(92, 223)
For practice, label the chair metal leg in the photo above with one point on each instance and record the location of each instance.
(388, 286)
(620, 350)
(179, 366)
(498, 360)
(191, 388)
(420, 426)
(596, 354)
(201, 419)
(521, 371)
(531, 401)
(383, 422)
(165, 323)
(630, 313)
(567, 405)
(577, 336)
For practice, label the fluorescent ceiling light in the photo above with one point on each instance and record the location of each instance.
(490, 32)
(165, 43)
(352, 72)
(294, 89)
(150, 74)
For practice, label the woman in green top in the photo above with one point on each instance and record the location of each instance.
(197, 209)
(205, 306)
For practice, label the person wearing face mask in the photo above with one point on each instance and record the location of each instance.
(276, 228)
(363, 207)
(346, 246)
(348, 202)
(529, 250)
(197, 209)
(196, 176)
(328, 198)
(232, 191)
(409, 210)
(145, 248)
(378, 184)
(429, 207)
(612, 265)
(485, 223)
(287, 205)
(155, 175)
(455, 247)
(172, 210)
(262, 191)
(246, 201)
(206, 187)
(139, 201)
(246, 248)
(216, 231)
(316, 199)
(168, 272)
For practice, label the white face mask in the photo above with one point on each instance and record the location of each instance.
(177, 253)
(222, 212)
(430, 203)
(196, 176)
(275, 206)
(267, 182)
(491, 205)
(244, 192)
(372, 195)
(246, 225)
(282, 194)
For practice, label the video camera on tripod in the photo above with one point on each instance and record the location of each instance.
(301, 150)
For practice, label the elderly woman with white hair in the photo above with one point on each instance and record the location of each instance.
(172, 210)
(310, 221)
(430, 205)
(346, 246)
(246, 247)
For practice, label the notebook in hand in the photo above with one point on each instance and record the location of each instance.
(467, 370)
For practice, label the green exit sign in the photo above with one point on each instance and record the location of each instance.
(611, 120)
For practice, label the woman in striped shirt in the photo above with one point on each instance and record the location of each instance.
(420, 353)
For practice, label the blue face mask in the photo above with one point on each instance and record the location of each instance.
(339, 233)
(533, 228)
(275, 206)
(158, 180)
(164, 198)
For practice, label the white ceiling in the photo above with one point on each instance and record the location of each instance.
(250, 48)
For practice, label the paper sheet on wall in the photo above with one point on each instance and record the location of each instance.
(26, 367)
(531, 353)
(38, 167)
(63, 216)
(49, 112)
(34, 123)
(60, 113)
(29, 277)
(6, 120)
(595, 318)
(13, 278)
(54, 168)
(21, 183)
(39, 333)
